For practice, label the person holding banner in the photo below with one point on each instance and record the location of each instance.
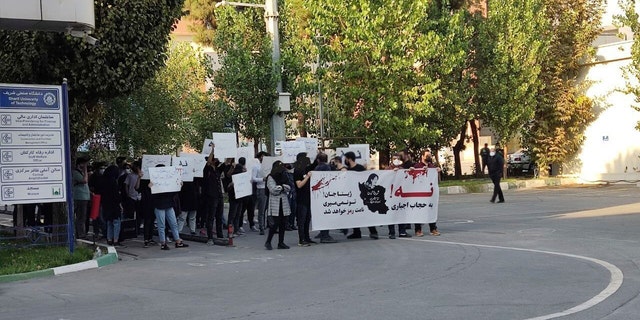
(302, 175)
(350, 161)
(213, 198)
(278, 210)
(322, 165)
(427, 162)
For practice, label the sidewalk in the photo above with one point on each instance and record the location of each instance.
(522, 184)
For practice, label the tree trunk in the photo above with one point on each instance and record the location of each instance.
(476, 145)
(457, 148)
(301, 129)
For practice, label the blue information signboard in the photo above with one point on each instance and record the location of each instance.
(33, 150)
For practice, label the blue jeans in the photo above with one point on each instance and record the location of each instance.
(163, 216)
(113, 229)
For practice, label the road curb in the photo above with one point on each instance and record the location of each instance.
(524, 184)
(109, 258)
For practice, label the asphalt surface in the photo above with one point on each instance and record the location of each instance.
(551, 253)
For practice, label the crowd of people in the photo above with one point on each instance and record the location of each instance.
(280, 201)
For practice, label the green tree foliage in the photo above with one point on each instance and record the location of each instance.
(245, 86)
(563, 111)
(169, 110)
(631, 19)
(133, 37)
(375, 77)
(510, 49)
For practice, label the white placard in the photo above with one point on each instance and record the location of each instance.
(362, 154)
(225, 145)
(366, 152)
(165, 179)
(198, 160)
(242, 185)
(186, 167)
(267, 164)
(207, 145)
(247, 153)
(348, 199)
(290, 150)
(152, 160)
(311, 147)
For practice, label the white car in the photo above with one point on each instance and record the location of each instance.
(519, 163)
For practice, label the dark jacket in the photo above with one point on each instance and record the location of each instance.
(495, 164)
(109, 191)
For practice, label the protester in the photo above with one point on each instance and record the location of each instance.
(188, 196)
(302, 175)
(426, 163)
(259, 193)
(81, 197)
(278, 204)
(235, 205)
(163, 204)
(350, 161)
(213, 197)
(110, 198)
(322, 165)
(131, 202)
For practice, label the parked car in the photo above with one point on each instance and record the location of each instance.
(519, 164)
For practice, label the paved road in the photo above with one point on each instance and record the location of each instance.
(569, 253)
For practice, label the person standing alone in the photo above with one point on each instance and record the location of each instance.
(496, 164)
(484, 156)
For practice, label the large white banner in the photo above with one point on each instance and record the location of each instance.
(152, 160)
(165, 179)
(225, 145)
(242, 184)
(349, 199)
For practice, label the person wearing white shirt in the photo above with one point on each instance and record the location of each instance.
(259, 182)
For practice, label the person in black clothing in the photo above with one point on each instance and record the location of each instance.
(212, 197)
(235, 205)
(188, 196)
(302, 175)
(350, 161)
(496, 164)
(278, 209)
(110, 197)
(322, 165)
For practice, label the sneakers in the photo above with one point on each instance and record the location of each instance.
(254, 229)
(309, 241)
(282, 246)
(181, 245)
(164, 246)
(404, 235)
(354, 236)
(153, 243)
(435, 232)
(328, 240)
(303, 244)
(268, 246)
(419, 233)
(373, 236)
(262, 232)
(210, 242)
(501, 201)
(241, 230)
(146, 244)
(392, 236)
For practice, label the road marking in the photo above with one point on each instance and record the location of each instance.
(615, 281)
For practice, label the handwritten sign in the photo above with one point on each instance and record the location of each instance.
(347, 199)
(197, 161)
(225, 145)
(267, 164)
(152, 160)
(242, 184)
(362, 154)
(290, 150)
(310, 146)
(207, 145)
(186, 167)
(247, 153)
(165, 179)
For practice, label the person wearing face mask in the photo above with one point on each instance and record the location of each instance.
(278, 208)
(496, 164)
(396, 164)
(427, 162)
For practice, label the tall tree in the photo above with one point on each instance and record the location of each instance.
(374, 76)
(510, 48)
(563, 111)
(631, 19)
(133, 38)
(168, 111)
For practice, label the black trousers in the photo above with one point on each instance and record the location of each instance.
(497, 191)
(372, 230)
(214, 208)
(281, 222)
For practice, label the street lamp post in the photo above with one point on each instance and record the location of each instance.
(283, 105)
